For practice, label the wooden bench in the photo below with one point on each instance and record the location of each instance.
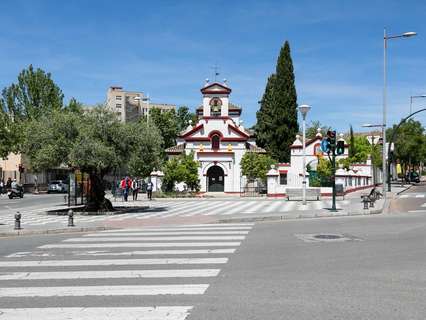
(312, 194)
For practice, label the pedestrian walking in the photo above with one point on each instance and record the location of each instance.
(9, 183)
(149, 187)
(1, 186)
(126, 184)
(135, 189)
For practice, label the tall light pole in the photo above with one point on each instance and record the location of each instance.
(304, 109)
(385, 44)
(411, 101)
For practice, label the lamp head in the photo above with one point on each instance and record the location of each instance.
(409, 34)
(304, 109)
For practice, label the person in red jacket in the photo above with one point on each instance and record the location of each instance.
(125, 185)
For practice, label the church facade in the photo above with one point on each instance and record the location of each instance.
(218, 141)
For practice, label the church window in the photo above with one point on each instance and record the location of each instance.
(215, 142)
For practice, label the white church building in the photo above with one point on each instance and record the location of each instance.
(218, 141)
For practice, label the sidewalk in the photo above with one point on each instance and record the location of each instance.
(169, 211)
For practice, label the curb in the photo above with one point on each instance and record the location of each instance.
(299, 217)
(53, 231)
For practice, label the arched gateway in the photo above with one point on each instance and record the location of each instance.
(215, 179)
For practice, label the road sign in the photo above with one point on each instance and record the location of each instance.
(325, 145)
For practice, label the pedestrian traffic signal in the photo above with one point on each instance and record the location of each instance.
(332, 136)
(325, 145)
(340, 149)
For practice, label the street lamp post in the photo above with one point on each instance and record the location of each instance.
(411, 101)
(385, 40)
(304, 109)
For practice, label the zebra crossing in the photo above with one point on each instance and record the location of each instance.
(173, 209)
(412, 195)
(88, 277)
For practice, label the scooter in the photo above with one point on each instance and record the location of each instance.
(15, 193)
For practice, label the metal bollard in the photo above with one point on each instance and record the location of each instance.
(70, 218)
(18, 221)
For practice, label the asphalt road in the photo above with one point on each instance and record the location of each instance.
(29, 202)
(411, 201)
(279, 271)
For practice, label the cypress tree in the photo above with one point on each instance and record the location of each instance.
(351, 143)
(264, 115)
(277, 118)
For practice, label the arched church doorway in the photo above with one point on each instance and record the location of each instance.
(215, 179)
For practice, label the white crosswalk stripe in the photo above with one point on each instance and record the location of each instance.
(73, 272)
(131, 313)
(412, 195)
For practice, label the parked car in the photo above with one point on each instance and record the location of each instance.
(59, 186)
(412, 177)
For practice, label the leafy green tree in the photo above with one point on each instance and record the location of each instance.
(409, 143)
(255, 165)
(34, 95)
(277, 118)
(167, 123)
(146, 148)
(74, 106)
(313, 127)
(95, 142)
(181, 169)
(9, 134)
(184, 117)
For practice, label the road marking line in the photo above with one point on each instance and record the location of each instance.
(141, 245)
(104, 290)
(240, 208)
(48, 275)
(177, 238)
(177, 229)
(164, 233)
(417, 211)
(423, 205)
(255, 207)
(420, 195)
(209, 208)
(152, 252)
(111, 313)
(273, 206)
(111, 262)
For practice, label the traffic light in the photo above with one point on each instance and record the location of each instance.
(21, 168)
(331, 137)
(340, 149)
(325, 145)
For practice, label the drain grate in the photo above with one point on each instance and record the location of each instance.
(326, 237)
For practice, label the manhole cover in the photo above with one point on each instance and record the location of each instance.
(328, 236)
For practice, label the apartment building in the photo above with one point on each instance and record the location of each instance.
(132, 105)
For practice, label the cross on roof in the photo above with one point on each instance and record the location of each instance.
(216, 71)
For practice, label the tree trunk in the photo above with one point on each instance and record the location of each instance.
(96, 197)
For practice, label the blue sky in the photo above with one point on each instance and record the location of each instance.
(168, 48)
